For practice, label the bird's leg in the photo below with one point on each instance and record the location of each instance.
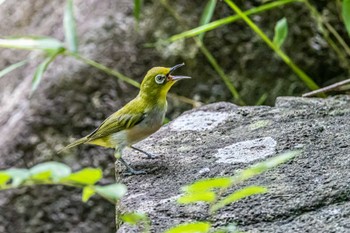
(149, 155)
(131, 171)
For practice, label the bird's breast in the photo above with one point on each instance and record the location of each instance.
(150, 124)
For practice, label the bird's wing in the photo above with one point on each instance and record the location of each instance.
(115, 123)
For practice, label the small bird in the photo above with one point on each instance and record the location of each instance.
(138, 119)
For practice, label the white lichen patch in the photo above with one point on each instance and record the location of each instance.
(247, 151)
(199, 121)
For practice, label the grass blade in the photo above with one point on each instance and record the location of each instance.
(301, 74)
(41, 69)
(137, 11)
(218, 23)
(12, 67)
(281, 32)
(70, 27)
(46, 44)
(207, 15)
(346, 14)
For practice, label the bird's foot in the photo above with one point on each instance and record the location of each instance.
(132, 172)
(149, 155)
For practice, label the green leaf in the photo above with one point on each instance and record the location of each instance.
(111, 192)
(207, 14)
(137, 10)
(237, 195)
(230, 19)
(42, 68)
(42, 176)
(281, 32)
(88, 191)
(261, 167)
(70, 27)
(57, 170)
(346, 14)
(4, 178)
(195, 227)
(85, 176)
(12, 67)
(46, 44)
(208, 184)
(134, 218)
(197, 197)
(18, 175)
(231, 228)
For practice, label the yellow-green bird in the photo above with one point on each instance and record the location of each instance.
(138, 119)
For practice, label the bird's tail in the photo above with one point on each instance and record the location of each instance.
(75, 143)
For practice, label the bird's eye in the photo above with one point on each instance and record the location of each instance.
(160, 78)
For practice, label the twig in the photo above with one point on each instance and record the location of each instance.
(327, 88)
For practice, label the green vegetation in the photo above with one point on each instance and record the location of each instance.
(54, 173)
(217, 193)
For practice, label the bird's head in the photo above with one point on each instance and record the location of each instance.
(159, 80)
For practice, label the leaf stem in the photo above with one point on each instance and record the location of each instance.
(302, 75)
(104, 69)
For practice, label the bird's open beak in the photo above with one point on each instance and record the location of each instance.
(176, 78)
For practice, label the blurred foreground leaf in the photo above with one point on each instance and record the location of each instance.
(195, 227)
(111, 192)
(237, 195)
(134, 218)
(70, 27)
(55, 173)
(196, 197)
(261, 167)
(12, 67)
(55, 170)
(18, 175)
(85, 176)
(4, 178)
(208, 184)
(88, 192)
(46, 44)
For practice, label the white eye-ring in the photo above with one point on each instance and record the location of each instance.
(160, 78)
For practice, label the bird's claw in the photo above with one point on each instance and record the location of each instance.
(131, 172)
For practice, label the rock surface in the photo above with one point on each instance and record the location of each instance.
(307, 194)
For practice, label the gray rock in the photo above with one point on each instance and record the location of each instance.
(308, 194)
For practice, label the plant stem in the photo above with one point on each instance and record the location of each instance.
(208, 55)
(320, 22)
(230, 19)
(104, 69)
(302, 75)
(127, 79)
